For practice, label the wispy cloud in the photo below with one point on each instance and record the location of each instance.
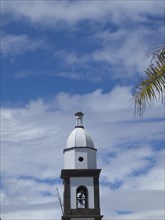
(43, 127)
(147, 205)
(13, 45)
(117, 36)
(80, 40)
(72, 12)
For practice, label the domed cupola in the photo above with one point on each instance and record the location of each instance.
(79, 136)
(80, 152)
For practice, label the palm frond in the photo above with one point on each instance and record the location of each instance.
(152, 87)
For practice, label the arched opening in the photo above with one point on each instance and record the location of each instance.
(82, 197)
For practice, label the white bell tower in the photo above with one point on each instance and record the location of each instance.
(80, 176)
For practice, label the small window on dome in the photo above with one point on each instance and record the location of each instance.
(80, 159)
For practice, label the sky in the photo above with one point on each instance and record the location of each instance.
(60, 57)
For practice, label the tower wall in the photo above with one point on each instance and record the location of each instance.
(80, 158)
(88, 183)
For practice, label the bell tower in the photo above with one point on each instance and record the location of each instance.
(80, 176)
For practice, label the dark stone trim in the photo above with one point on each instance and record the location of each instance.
(79, 114)
(80, 173)
(85, 211)
(66, 195)
(96, 193)
(71, 148)
(79, 126)
(96, 217)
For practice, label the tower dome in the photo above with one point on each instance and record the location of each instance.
(79, 136)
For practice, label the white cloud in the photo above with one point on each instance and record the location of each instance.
(118, 99)
(32, 135)
(125, 49)
(153, 179)
(45, 211)
(120, 50)
(120, 54)
(144, 204)
(75, 11)
(13, 45)
(71, 58)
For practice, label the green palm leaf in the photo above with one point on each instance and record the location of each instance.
(152, 87)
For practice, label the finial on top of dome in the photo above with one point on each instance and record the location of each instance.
(79, 122)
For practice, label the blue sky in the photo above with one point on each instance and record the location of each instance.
(59, 57)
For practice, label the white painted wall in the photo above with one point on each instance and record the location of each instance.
(85, 181)
(92, 164)
(71, 158)
(89, 156)
(81, 164)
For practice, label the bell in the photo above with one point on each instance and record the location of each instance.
(81, 202)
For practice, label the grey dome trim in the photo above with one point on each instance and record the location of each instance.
(71, 148)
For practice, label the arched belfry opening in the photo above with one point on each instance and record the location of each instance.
(80, 176)
(82, 197)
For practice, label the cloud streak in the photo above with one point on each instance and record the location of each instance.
(75, 11)
(114, 47)
(13, 45)
(91, 54)
(33, 132)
